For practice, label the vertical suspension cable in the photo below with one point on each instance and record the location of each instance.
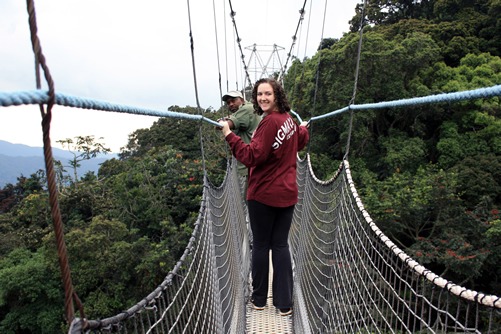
(196, 89)
(319, 60)
(192, 47)
(49, 166)
(236, 71)
(294, 38)
(355, 84)
(317, 75)
(308, 31)
(238, 39)
(294, 87)
(226, 48)
(295, 92)
(303, 71)
(217, 52)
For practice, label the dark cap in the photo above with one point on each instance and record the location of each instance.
(232, 94)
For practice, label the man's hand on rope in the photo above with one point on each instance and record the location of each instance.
(226, 127)
(222, 119)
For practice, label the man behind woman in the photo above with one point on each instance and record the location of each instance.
(272, 190)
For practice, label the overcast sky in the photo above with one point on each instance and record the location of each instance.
(137, 53)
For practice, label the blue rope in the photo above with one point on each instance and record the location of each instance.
(297, 116)
(445, 97)
(41, 97)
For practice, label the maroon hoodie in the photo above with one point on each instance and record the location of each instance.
(271, 158)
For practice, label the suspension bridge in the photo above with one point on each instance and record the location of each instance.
(349, 277)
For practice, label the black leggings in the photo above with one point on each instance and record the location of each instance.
(270, 231)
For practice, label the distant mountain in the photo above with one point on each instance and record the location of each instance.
(21, 160)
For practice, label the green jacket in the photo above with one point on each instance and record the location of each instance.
(245, 121)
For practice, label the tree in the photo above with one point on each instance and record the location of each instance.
(104, 255)
(32, 220)
(89, 199)
(178, 133)
(9, 239)
(424, 215)
(84, 148)
(326, 43)
(11, 194)
(492, 269)
(31, 298)
(162, 185)
(387, 12)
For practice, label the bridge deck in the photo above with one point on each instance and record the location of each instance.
(268, 320)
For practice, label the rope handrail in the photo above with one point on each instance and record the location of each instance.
(40, 97)
(460, 291)
(28, 97)
(297, 116)
(484, 92)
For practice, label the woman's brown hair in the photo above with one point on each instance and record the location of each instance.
(278, 91)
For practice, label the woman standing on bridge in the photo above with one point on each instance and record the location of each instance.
(272, 190)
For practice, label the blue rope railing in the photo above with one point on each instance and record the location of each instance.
(445, 97)
(17, 98)
(41, 97)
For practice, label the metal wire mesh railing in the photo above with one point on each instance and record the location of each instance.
(350, 278)
(207, 290)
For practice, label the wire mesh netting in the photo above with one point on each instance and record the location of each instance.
(350, 278)
(207, 290)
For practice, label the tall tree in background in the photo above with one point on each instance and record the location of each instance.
(83, 148)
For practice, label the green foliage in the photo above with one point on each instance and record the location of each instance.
(403, 153)
(424, 214)
(89, 199)
(161, 185)
(166, 131)
(32, 219)
(323, 167)
(450, 147)
(11, 194)
(105, 255)
(493, 238)
(30, 294)
(406, 204)
(124, 230)
(9, 239)
(480, 179)
(474, 71)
